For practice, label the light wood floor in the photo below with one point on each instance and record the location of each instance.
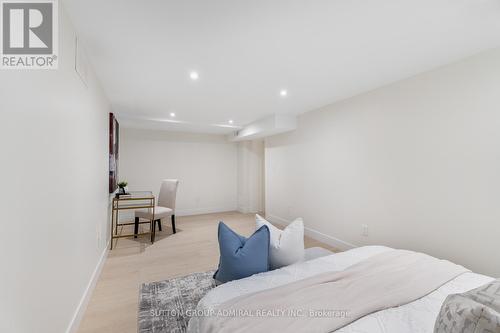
(194, 248)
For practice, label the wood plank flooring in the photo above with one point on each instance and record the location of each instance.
(194, 248)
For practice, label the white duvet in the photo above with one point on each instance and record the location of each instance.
(415, 317)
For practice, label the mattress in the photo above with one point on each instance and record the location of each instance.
(416, 317)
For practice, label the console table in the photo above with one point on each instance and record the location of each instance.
(134, 200)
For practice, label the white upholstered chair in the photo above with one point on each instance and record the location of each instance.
(164, 208)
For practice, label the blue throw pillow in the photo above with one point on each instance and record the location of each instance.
(241, 257)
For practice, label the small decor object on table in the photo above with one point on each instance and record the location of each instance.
(123, 187)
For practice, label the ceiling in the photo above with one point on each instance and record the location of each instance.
(247, 51)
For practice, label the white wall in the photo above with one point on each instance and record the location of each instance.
(417, 161)
(251, 176)
(53, 196)
(206, 166)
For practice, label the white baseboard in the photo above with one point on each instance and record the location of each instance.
(84, 301)
(204, 210)
(247, 210)
(315, 234)
(129, 215)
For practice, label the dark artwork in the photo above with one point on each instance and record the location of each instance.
(114, 143)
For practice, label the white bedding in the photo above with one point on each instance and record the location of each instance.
(415, 317)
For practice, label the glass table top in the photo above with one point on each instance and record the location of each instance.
(135, 195)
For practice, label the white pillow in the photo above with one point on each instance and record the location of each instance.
(286, 246)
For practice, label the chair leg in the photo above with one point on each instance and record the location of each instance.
(159, 224)
(173, 223)
(152, 228)
(136, 227)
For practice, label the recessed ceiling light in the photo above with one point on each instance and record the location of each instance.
(231, 121)
(283, 93)
(172, 114)
(194, 75)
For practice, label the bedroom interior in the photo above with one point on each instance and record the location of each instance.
(248, 166)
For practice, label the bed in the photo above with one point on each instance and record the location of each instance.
(418, 316)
